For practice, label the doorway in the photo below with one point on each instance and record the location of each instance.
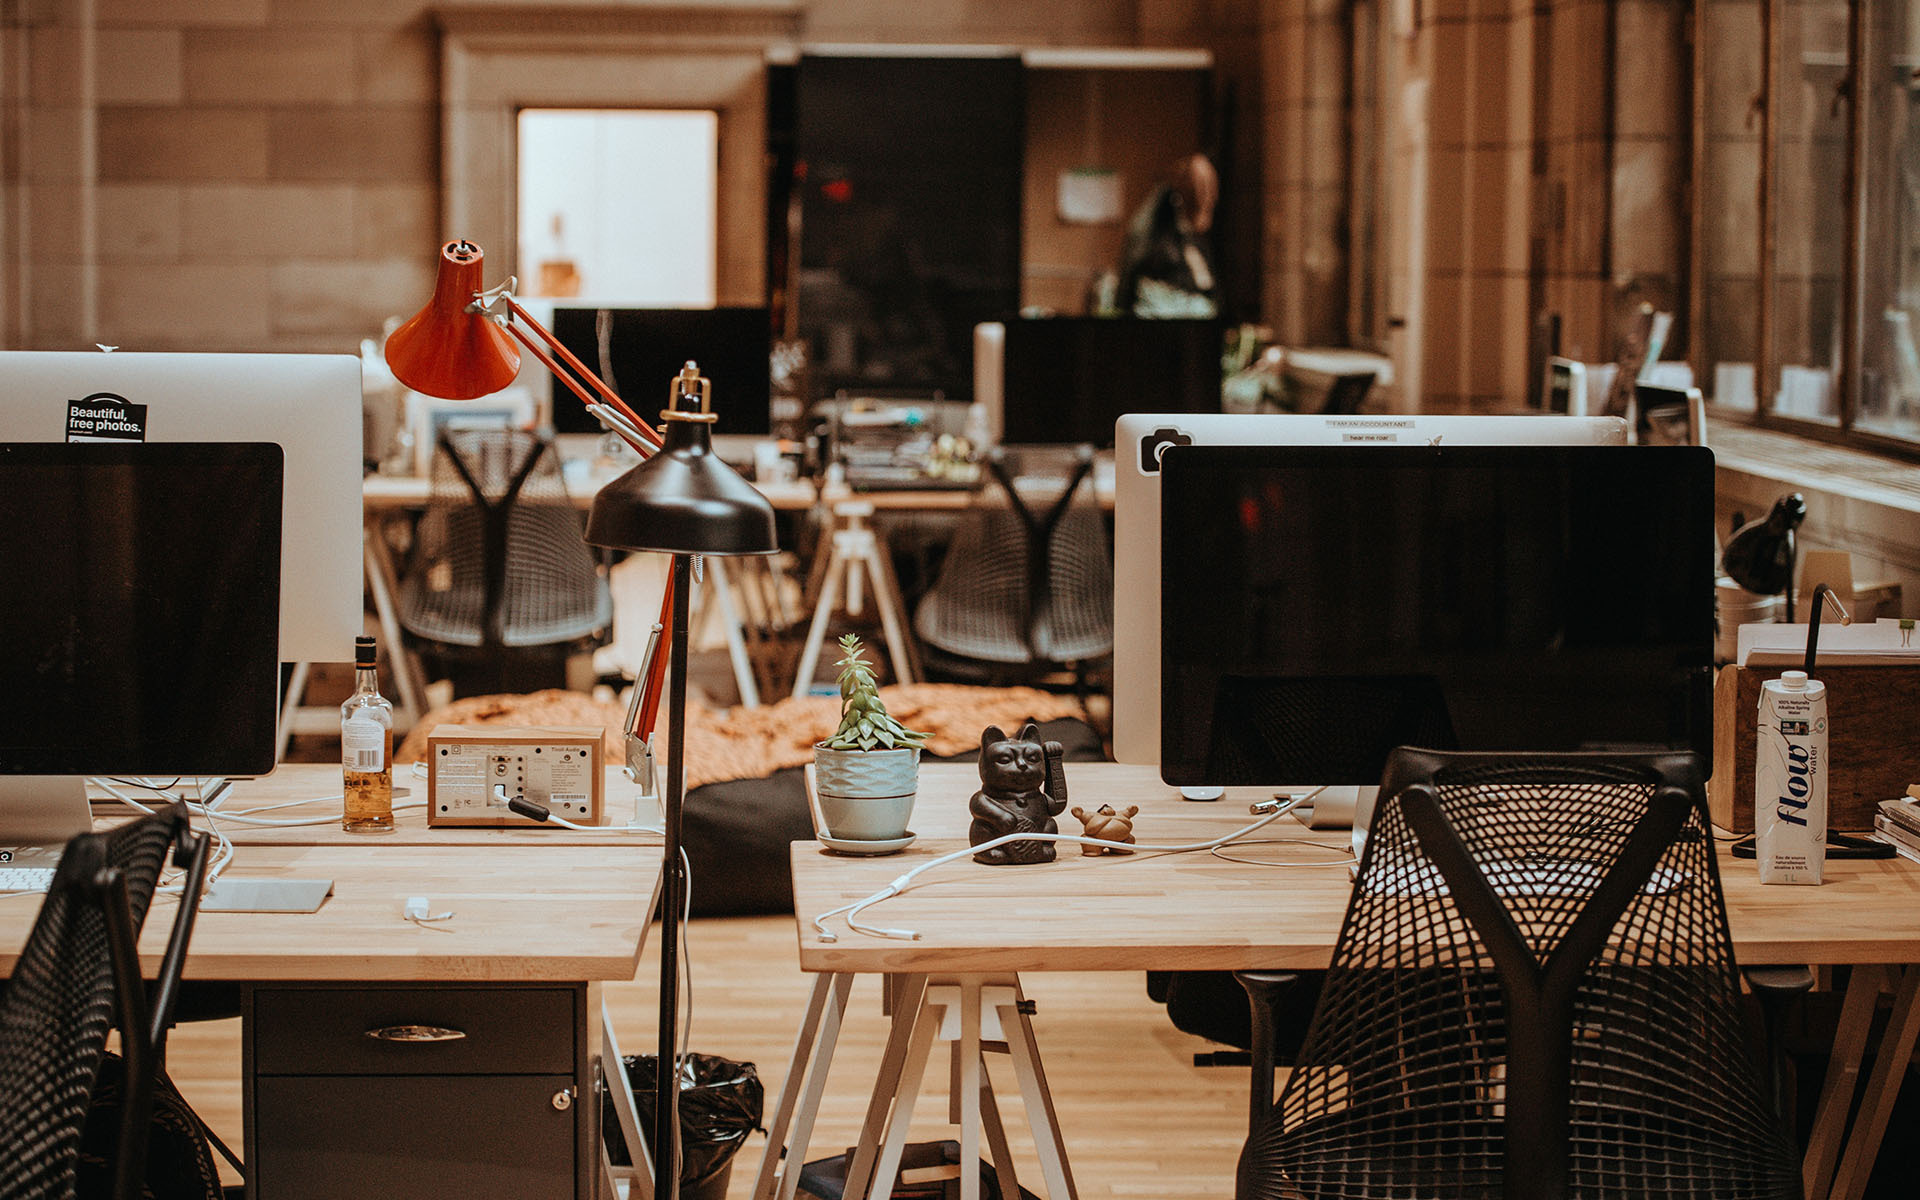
(619, 206)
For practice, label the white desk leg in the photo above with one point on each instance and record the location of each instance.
(1047, 1142)
(967, 1089)
(812, 1056)
(997, 1146)
(722, 585)
(378, 565)
(850, 547)
(925, 1021)
(1883, 1085)
(908, 994)
(817, 632)
(1829, 1131)
(290, 708)
(620, 1094)
(886, 596)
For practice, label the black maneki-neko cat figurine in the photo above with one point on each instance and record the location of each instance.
(1023, 787)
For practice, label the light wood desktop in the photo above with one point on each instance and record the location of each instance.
(980, 925)
(540, 918)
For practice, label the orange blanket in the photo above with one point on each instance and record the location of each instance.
(752, 743)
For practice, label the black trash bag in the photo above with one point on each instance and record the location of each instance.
(720, 1104)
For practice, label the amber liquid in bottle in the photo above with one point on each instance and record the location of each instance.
(366, 748)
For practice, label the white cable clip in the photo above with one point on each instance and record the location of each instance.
(416, 912)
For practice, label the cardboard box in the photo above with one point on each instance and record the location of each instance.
(1873, 741)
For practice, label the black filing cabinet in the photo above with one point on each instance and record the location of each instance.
(408, 1091)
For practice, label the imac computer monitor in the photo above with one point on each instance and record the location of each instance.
(1140, 440)
(308, 404)
(141, 595)
(638, 351)
(1527, 598)
(1064, 380)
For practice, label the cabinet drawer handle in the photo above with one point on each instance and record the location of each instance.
(416, 1033)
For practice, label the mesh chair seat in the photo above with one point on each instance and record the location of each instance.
(1533, 994)
(998, 601)
(60, 1002)
(501, 561)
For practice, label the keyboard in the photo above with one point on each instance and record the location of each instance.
(25, 879)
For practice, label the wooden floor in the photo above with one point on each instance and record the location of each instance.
(1140, 1120)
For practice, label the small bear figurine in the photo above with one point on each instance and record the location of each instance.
(1108, 826)
(1011, 799)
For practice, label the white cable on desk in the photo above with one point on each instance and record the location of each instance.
(901, 884)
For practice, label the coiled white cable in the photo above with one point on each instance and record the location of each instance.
(906, 881)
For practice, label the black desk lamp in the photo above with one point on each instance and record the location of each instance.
(685, 502)
(1760, 554)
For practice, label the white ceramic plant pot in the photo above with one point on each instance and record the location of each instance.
(866, 795)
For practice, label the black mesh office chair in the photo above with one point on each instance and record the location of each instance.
(500, 564)
(78, 975)
(1533, 995)
(1023, 591)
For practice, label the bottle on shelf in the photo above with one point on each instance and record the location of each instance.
(366, 750)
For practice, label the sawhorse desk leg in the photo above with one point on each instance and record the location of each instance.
(976, 1013)
(1847, 1164)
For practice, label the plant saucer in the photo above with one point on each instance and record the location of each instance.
(857, 846)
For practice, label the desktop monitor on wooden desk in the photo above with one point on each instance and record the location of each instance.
(141, 592)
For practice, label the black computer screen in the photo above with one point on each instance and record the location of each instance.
(1323, 605)
(648, 346)
(1067, 379)
(141, 593)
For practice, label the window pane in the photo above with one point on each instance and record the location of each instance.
(1890, 284)
(1728, 325)
(1810, 170)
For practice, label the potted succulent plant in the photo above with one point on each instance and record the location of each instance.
(867, 773)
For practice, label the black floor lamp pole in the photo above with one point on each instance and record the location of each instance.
(673, 901)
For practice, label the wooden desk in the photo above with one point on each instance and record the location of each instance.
(540, 918)
(1198, 911)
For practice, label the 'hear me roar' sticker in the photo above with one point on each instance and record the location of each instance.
(105, 417)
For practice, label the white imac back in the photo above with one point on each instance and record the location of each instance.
(1137, 440)
(307, 403)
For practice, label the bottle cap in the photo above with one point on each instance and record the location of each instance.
(363, 652)
(1793, 680)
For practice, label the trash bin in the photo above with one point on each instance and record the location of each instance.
(720, 1104)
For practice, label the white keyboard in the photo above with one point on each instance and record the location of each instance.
(25, 879)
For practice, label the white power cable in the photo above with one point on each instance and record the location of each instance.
(906, 881)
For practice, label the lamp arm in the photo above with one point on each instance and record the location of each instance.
(576, 371)
(634, 433)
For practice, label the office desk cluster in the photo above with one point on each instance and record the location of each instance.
(336, 1093)
(386, 1057)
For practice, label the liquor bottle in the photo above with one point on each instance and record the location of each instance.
(366, 733)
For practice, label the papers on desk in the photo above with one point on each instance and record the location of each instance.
(1881, 642)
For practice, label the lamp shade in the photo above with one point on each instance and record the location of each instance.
(449, 349)
(683, 500)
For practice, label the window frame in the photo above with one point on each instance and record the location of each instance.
(1848, 368)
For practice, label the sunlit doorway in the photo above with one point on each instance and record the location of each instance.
(619, 206)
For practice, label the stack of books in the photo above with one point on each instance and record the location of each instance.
(1898, 822)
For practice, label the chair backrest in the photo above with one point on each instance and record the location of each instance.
(78, 974)
(1029, 576)
(500, 560)
(1533, 994)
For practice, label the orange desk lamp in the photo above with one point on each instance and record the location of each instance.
(681, 500)
(460, 347)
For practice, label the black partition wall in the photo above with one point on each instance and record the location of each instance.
(907, 181)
